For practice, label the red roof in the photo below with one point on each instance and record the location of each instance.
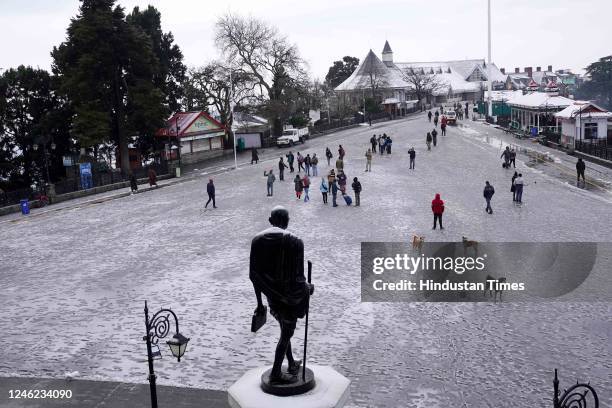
(184, 120)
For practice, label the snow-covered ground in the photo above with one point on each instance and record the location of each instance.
(74, 282)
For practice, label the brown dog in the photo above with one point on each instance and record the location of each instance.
(495, 291)
(469, 244)
(417, 242)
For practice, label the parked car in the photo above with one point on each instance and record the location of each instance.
(292, 136)
(451, 116)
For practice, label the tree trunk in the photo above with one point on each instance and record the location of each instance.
(124, 153)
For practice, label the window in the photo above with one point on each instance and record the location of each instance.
(590, 130)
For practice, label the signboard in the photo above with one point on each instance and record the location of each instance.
(86, 177)
(68, 161)
(201, 124)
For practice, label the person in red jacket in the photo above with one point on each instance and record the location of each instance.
(437, 207)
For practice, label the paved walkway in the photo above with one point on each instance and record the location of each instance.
(107, 394)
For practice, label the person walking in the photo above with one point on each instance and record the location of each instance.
(368, 156)
(519, 184)
(270, 182)
(506, 155)
(513, 186)
(307, 164)
(334, 190)
(488, 195)
(300, 160)
(341, 179)
(324, 188)
(254, 156)
(357, 189)
(429, 115)
(210, 190)
(436, 119)
(512, 158)
(281, 169)
(306, 185)
(437, 207)
(389, 143)
(290, 160)
(152, 177)
(341, 152)
(434, 137)
(314, 162)
(381, 145)
(412, 155)
(133, 183)
(339, 164)
(443, 126)
(329, 156)
(580, 168)
(373, 142)
(299, 187)
(428, 140)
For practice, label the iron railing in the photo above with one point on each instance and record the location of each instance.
(596, 148)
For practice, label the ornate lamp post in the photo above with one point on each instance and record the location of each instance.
(575, 396)
(158, 327)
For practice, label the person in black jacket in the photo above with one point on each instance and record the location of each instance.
(254, 156)
(133, 183)
(488, 195)
(281, 169)
(210, 190)
(412, 154)
(357, 189)
(580, 167)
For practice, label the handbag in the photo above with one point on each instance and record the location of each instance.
(259, 318)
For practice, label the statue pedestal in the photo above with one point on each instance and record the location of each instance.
(331, 391)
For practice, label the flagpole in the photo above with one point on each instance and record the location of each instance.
(489, 82)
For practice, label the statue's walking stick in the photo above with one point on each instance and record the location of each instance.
(306, 325)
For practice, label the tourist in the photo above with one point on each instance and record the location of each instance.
(210, 190)
(357, 189)
(437, 207)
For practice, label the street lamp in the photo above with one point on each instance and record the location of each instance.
(158, 327)
(231, 102)
(46, 157)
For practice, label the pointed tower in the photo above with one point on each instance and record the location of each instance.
(387, 55)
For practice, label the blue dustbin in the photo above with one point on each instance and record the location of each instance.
(25, 206)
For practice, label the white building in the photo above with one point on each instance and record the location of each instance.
(585, 122)
(463, 80)
(534, 112)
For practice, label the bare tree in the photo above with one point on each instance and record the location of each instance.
(211, 85)
(259, 50)
(423, 83)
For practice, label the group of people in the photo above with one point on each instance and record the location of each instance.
(383, 142)
(334, 182)
(509, 156)
(305, 163)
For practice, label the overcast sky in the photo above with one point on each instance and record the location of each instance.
(561, 33)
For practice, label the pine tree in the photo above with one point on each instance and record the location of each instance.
(107, 67)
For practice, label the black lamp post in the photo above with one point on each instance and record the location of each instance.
(178, 141)
(46, 157)
(158, 327)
